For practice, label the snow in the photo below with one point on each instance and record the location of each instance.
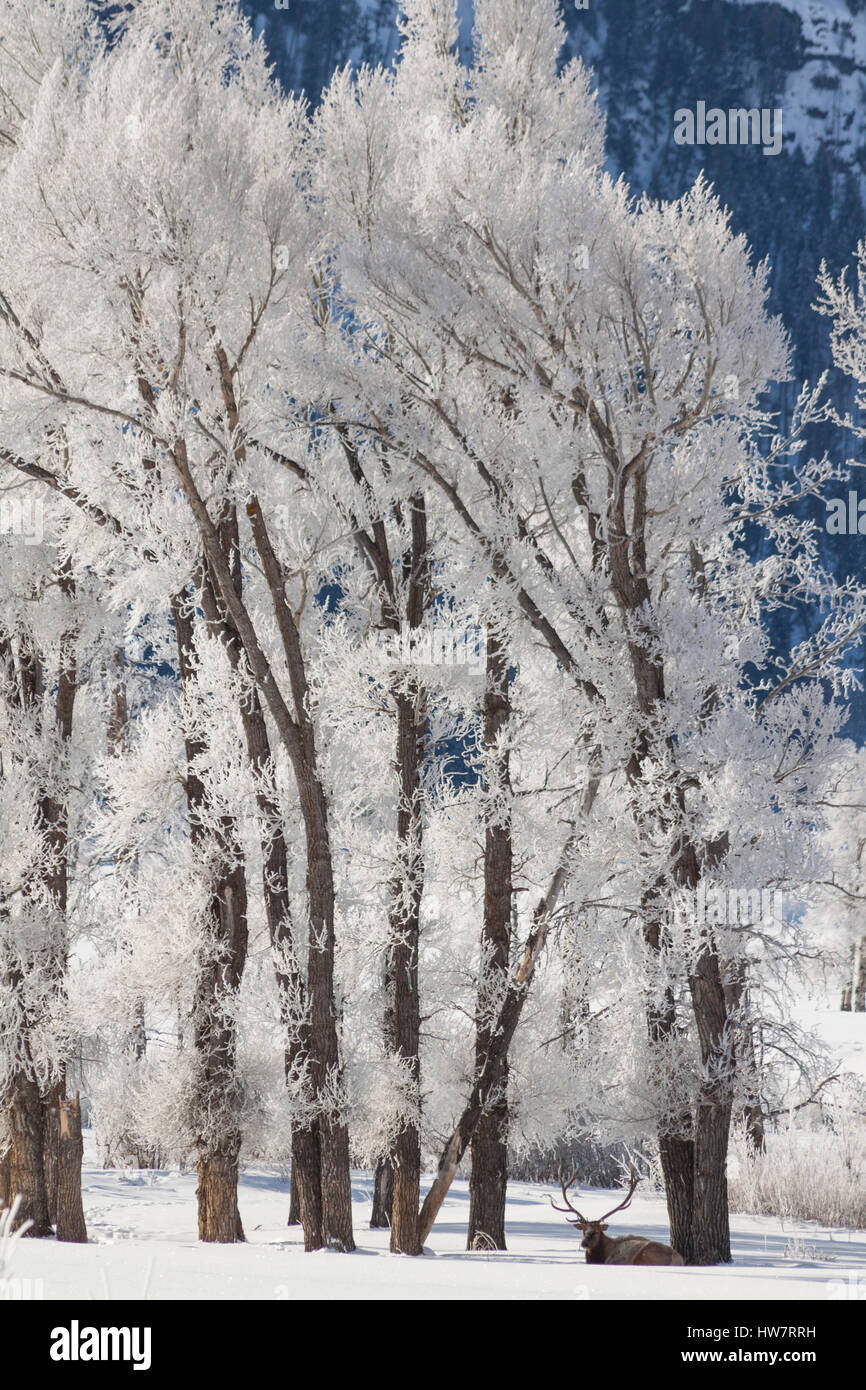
(844, 1034)
(143, 1246)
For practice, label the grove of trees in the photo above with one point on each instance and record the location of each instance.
(395, 766)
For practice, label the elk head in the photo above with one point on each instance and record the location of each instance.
(594, 1239)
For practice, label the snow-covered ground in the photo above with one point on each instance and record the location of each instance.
(844, 1034)
(143, 1246)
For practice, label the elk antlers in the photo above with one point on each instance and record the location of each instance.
(634, 1182)
(576, 1219)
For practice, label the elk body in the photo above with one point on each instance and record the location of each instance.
(603, 1249)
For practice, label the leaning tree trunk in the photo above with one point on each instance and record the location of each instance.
(502, 1033)
(489, 1175)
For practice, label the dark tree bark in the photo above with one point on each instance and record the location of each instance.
(5, 1182)
(217, 1192)
(220, 972)
(489, 1175)
(51, 1147)
(66, 1118)
(406, 903)
(675, 1136)
(383, 1195)
(26, 1154)
(711, 1236)
(383, 1183)
(307, 1172)
(294, 1199)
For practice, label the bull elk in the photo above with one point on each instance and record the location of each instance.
(602, 1249)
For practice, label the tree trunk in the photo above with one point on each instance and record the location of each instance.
(66, 1121)
(5, 1182)
(219, 1220)
(294, 1199)
(406, 1152)
(220, 972)
(489, 1176)
(383, 1185)
(854, 991)
(675, 1133)
(383, 1195)
(736, 998)
(708, 1241)
(711, 1237)
(214, 1037)
(51, 1147)
(677, 1154)
(26, 1165)
(307, 1172)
